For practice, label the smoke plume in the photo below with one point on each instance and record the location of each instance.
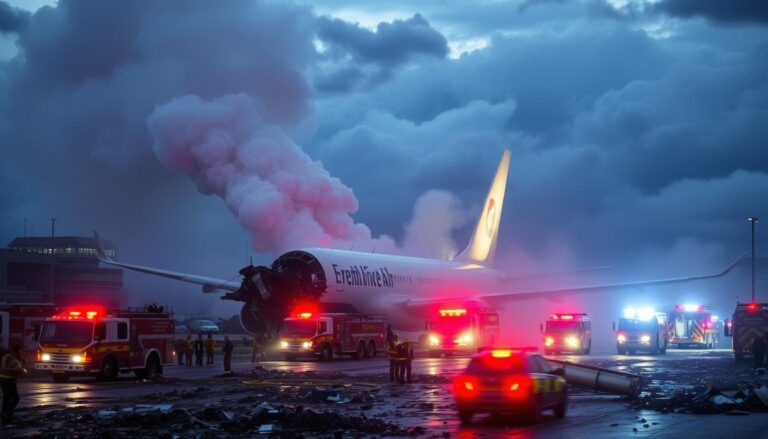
(280, 195)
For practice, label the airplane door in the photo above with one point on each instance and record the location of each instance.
(4, 335)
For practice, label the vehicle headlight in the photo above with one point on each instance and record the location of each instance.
(46, 357)
(306, 344)
(283, 344)
(434, 341)
(464, 339)
(77, 358)
(645, 339)
(621, 338)
(572, 341)
(549, 341)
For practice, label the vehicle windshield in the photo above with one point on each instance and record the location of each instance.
(636, 325)
(299, 327)
(487, 365)
(67, 331)
(560, 326)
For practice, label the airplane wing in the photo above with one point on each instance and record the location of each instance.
(554, 292)
(209, 284)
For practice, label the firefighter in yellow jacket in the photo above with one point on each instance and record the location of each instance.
(10, 369)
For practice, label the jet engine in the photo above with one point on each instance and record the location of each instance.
(270, 293)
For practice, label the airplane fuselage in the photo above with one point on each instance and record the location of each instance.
(380, 283)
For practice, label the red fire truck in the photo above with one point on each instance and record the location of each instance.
(90, 341)
(311, 334)
(20, 325)
(461, 330)
(749, 321)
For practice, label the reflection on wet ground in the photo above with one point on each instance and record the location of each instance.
(428, 403)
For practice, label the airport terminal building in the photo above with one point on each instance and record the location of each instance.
(64, 271)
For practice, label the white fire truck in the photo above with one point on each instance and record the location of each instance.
(90, 341)
(325, 335)
(571, 332)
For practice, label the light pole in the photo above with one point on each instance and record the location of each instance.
(53, 258)
(753, 220)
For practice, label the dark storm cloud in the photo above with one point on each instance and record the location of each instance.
(392, 43)
(76, 99)
(743, 11)
(12, 19)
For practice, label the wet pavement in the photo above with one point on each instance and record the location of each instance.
(353, 398)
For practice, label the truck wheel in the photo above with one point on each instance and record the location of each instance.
(327, 353)
(60, 377)
(465, 416)
(360, 350)
(109, 369)
(370, 351)
(153, 365)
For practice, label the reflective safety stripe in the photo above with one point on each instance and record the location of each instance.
(558, 385)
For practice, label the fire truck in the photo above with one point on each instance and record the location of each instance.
(567, 333)
(641, 330)
(461, 330)
(691, 326)
(20, 325)
(325, 335)
(749, 321)
(93, 342)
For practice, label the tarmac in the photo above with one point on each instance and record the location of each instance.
(685, 392)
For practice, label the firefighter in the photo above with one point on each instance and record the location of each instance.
(256, 352)
(188, 349)
(210, 344)
(758, 351)
(181, 346)
(10, 369)
(199, 346)
(392, 353)
(227, 351)
(404, 358)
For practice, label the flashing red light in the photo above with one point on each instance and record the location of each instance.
(752, 307)
(304, 315)
(566, 317)
(76, 315)
(501, 353)
(452, 312)
(562, 316)
(466, 387)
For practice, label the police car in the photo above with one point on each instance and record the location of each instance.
(509, 381)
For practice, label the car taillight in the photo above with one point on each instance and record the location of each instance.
(466, 387)
(517, 387)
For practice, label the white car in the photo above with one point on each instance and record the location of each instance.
(203, 326)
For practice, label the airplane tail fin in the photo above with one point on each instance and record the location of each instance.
(482, 246)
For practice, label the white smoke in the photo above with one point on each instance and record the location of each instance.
(436, 215)
(280, 195)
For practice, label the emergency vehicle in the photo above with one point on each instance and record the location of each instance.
(641, 330)
(514, 381)
(567, 333)
(691, 326)
(90, 341)
(461, 330)
(20, 325)
(749, 321)
(324, 335)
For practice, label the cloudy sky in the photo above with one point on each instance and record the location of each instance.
(189, 131)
